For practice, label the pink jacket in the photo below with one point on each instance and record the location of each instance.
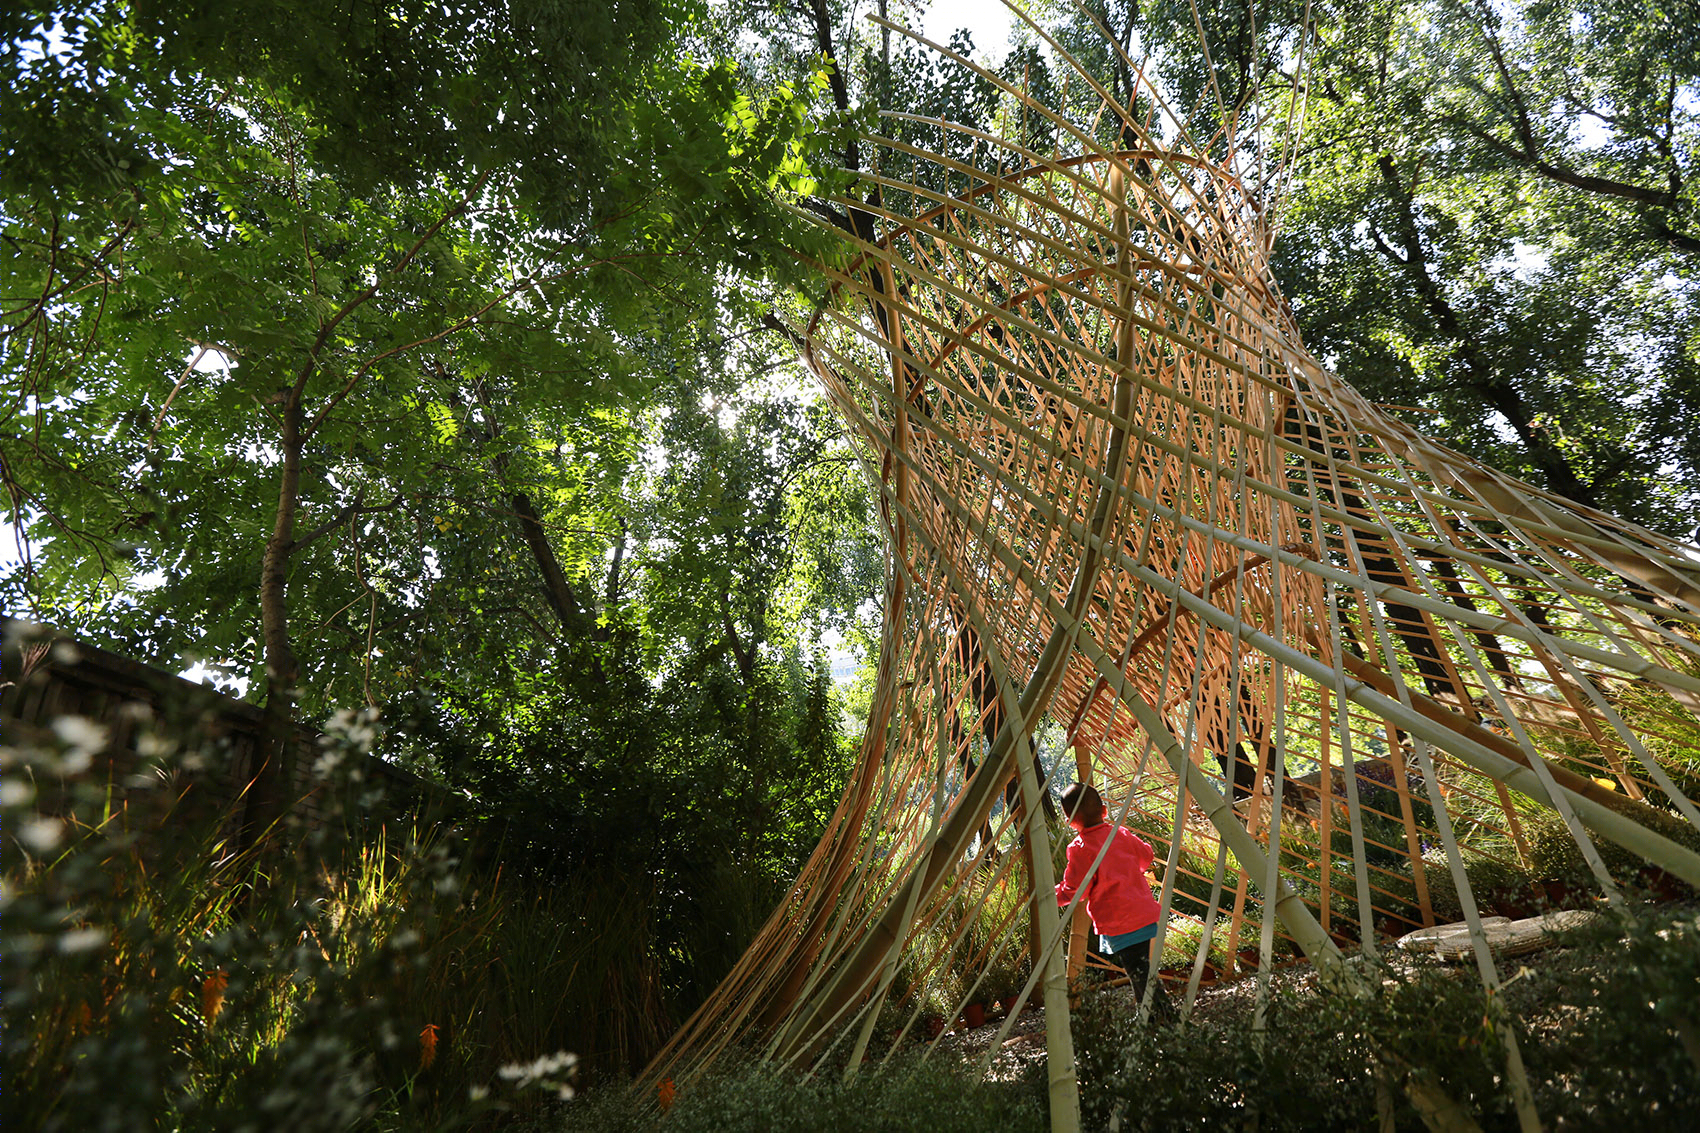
(1119, 899)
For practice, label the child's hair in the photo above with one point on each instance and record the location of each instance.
(1083, 802)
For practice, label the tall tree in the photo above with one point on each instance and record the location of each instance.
(376, 220)
(380, 221)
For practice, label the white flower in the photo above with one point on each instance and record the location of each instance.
(523, 1074)
(352, 728)
(152, 745)
(82, 939)
(41, 834)
(81, 735)
(16, 792)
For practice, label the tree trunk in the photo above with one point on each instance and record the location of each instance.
(577, 619)
(574, 619)
(268, 794)
(1478, 376)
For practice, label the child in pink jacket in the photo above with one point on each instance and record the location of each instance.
(1119, 899)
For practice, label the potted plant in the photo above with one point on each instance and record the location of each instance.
(943, 995)
(1002, 983)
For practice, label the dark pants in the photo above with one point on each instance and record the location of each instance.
(1135, 960)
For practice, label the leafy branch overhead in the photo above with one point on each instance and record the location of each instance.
(376, 243)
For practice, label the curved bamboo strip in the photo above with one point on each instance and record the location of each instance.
(1139, 535)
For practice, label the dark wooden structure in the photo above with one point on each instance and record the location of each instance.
(216, 739)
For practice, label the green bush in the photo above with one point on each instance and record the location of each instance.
(1495, 882)
(987, 962)
(1554, 855)
(1181, 940)
(1617, 1016)
(1310, 1069)
(914, 1097)
(1608, 1028)
(329, 976)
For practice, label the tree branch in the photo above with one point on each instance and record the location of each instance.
(746, 661)
(1479, 375)
(574, 615)
(364, 296)
(1604, 186)
(343, 515)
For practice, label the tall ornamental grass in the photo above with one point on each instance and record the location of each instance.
(166, 970)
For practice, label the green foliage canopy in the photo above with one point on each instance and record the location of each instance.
(415, 240)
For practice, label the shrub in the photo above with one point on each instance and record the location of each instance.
(913, 1097)
(1496, 883)
(1608, 1028)
(1617, 1017)
(1183, 936)
(1309, 1069)
(328, 977)
(1554, 855)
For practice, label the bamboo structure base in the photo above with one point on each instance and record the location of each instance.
(1137, 535)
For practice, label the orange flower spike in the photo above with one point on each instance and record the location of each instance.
(427, 1046)
(665, 1093)
(212, 994)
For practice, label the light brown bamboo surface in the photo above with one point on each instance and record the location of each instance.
(1129, 517)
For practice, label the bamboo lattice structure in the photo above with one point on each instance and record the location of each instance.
(1139, 537)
